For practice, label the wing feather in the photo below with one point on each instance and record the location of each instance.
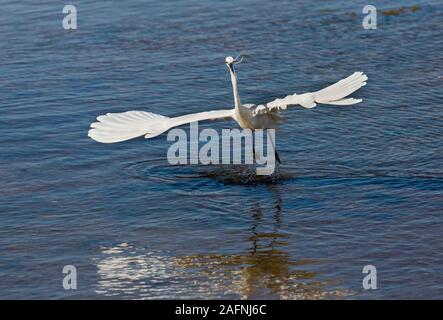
(333, 94)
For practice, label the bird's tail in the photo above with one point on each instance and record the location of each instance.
(336, 93)
(116, 127)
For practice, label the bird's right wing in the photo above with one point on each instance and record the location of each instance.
(116, 127)
(334, 94)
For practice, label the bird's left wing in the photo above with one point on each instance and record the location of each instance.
(334, 94)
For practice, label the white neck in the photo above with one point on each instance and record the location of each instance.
(235, 89)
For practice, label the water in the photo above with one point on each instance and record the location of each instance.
(358, 185)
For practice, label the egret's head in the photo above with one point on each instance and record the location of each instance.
(230, 61)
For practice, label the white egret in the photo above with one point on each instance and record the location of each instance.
(116, 127)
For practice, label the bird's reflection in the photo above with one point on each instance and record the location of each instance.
(264, 270)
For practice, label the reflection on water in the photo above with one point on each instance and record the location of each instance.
(123, 269)
(266, 270)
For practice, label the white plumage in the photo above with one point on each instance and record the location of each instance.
(116, 127)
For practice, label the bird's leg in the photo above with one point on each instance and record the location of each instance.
(277, 157)
(254, 155)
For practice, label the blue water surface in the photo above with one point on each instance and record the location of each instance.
(359, 185)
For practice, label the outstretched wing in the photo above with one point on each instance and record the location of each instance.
(116, 127)
(202, 116)
(333, 94)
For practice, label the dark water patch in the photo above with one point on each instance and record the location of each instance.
(161, 171)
